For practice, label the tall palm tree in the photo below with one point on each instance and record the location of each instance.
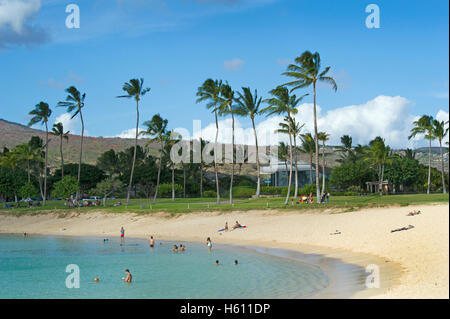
(226, 104)
(156, 127)
(41, 113)
(294, 127)
(170, 139)
(284, 103)
(378, 154)
(248, 104)
(75, 103)
(307, 71)
(308, 147)
(346, 149)
(135, 89)
(323, 137)
(58, 131)
(439, 132)
(424, 125)
(283, 154)
(27, 154)
(210, 92)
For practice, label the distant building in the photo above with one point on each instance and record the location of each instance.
(279, 174)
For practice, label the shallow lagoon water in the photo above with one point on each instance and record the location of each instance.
(35, 267)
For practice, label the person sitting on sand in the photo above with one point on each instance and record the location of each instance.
(237, 225)
(181, 248)
(226, 226)
(129, 277)
(175, 248)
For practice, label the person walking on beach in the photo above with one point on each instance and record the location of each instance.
(208, 243)
(129, 277)
(122, 234)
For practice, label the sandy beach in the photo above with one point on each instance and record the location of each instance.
(413, 263)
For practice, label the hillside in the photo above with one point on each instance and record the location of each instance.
(12, 134)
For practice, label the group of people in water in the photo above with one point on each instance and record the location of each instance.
(151, 241)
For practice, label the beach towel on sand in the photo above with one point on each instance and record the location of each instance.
(403, 228)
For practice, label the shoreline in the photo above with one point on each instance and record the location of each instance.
(412, 263)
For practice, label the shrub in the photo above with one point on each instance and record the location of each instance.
(28, 191)
(165, 190)
(243, 191)
(209, 194)
(65, 187)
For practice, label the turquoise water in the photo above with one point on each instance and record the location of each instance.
(35, 267)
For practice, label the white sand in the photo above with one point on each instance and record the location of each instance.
(422, 253)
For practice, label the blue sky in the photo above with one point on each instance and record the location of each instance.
(176, 44)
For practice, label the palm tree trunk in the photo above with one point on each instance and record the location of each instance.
(310, 169)
(81, 154)
(316, 141)
(296, 168)
(444, 190)
(173, 181)
(62, 158)
(159, 172)
(134, 154)
(215, 158)
(323, 168)
(201, 178)
(286, 202)
(232, 156)
(184, 180)
(46, 163)
(258, 182)
(429, 168)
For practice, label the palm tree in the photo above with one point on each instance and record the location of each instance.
(345, 149)
(248, 104)
(410, 154)
(156, 128)
(378, 154)
(323, 137)
(135, 89)
(306, 71)
(10, 160)
(58, 130)
(210, 92)
(27, 154)
(284, 103)
(283, 153)
(439, 131)
(41, 113)
(170, 139)
(226, 100)
(294, 127)
(74, 103)
(424, 125)
(308, 147)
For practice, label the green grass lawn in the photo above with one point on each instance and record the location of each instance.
(186, 205)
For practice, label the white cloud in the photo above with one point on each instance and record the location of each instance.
(130, 133)
(235, 64)
(14, 13)
(69, 124)
(385, 116)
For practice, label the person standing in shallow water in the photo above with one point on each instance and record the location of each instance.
(122, 235)
(129, 277)
(208, 243)
(151, 241)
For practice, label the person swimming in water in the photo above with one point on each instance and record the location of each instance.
(217, 263)
(182, 248)
(175, 248)
(96, 280)
(129, 277)
(236, 262)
